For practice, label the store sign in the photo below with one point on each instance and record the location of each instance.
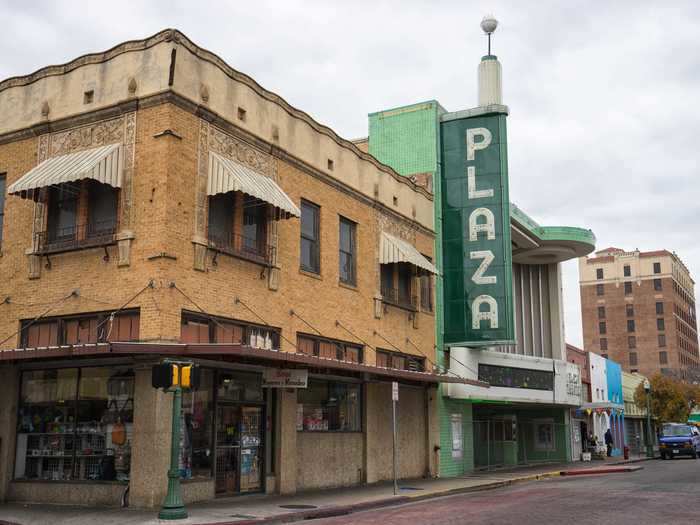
(476, 232)
(285, 378)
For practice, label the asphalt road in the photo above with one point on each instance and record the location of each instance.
(663, 492)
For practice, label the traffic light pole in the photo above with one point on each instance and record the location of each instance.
(173, 507)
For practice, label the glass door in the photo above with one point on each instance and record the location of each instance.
(227, 449)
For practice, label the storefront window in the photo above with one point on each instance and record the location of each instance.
(75, 424)
(196, 440)
(239, 386)
(328, 406)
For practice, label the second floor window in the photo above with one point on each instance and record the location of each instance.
(79, 214)
(387, 359)
(603, 343)
(396, 285)
(657, 267)
(657, 285)
(347, 252)
(237, 225)
(310, 259)
(426, 291)
(329, 348)
(82, 329)
(602, 328)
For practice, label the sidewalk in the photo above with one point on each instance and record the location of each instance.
(244, 510)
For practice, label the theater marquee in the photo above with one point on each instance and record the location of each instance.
(476, 232)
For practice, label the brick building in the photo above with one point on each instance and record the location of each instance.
(638, 308)
(158, 203)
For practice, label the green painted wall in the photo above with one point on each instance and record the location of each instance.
(449, 466)
(406, 138)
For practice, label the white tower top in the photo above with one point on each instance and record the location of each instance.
(490, 88)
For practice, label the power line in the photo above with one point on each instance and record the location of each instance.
(110, 318)
(74, 293)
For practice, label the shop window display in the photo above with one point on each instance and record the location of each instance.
(327, 406)
(75, 424)
(196, 440)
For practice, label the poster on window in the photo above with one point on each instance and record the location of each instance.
(457, 437)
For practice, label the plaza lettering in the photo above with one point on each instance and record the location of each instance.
(481, 222)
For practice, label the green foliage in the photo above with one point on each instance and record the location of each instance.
(670, 399)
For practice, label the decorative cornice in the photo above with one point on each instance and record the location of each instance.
(91, 58)
(173, 35)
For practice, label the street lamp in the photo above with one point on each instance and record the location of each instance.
(650, 446)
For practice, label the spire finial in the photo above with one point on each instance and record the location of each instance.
(488, 26)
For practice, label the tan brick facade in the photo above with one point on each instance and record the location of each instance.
(161, 239)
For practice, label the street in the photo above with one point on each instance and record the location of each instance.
(663, 492)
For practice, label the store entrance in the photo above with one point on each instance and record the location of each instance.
(239, 448)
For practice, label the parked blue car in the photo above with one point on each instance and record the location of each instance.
(678, 439)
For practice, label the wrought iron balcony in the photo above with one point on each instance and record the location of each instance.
(76, 237)
(400, 298)
(255, 250)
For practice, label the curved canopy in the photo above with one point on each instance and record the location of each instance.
(103, 164)
(395, 250)
(226, 175)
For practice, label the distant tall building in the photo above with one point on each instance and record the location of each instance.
(638, 309)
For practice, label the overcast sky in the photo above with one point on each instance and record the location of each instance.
(604, 123)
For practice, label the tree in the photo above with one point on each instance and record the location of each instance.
(669, 399)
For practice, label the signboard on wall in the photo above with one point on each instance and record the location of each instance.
(477, 261)
(285, 378)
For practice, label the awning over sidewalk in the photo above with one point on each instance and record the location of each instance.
(226, 175)
(395, 250)
(103, 164)
(240, 352)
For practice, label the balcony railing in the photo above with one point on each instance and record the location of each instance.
(91, 235)
(400, 298)
(256, 250)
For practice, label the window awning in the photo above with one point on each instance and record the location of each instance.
(395, 250)
(227, 175)
(103, 164)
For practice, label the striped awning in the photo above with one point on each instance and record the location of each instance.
(103, 164)
(395, 250)
(226, 175)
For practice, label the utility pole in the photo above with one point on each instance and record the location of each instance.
(650, 446)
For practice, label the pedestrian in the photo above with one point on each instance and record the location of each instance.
(609, 441)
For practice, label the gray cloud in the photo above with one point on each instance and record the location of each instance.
(603, 125)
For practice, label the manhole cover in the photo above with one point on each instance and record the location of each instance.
(298, 507)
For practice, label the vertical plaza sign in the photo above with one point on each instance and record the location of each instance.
(477, 261)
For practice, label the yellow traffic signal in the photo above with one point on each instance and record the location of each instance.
(185, 376)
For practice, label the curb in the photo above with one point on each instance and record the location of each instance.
(344, 510)
(595, 471)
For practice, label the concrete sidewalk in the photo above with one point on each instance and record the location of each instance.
(244, 510)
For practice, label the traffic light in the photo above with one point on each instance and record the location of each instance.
(189, 377)
(169, 375)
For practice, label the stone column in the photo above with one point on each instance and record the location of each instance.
(150, 450)
(286, 453)
(9, 391)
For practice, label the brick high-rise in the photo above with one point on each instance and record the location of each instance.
(638, 309)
